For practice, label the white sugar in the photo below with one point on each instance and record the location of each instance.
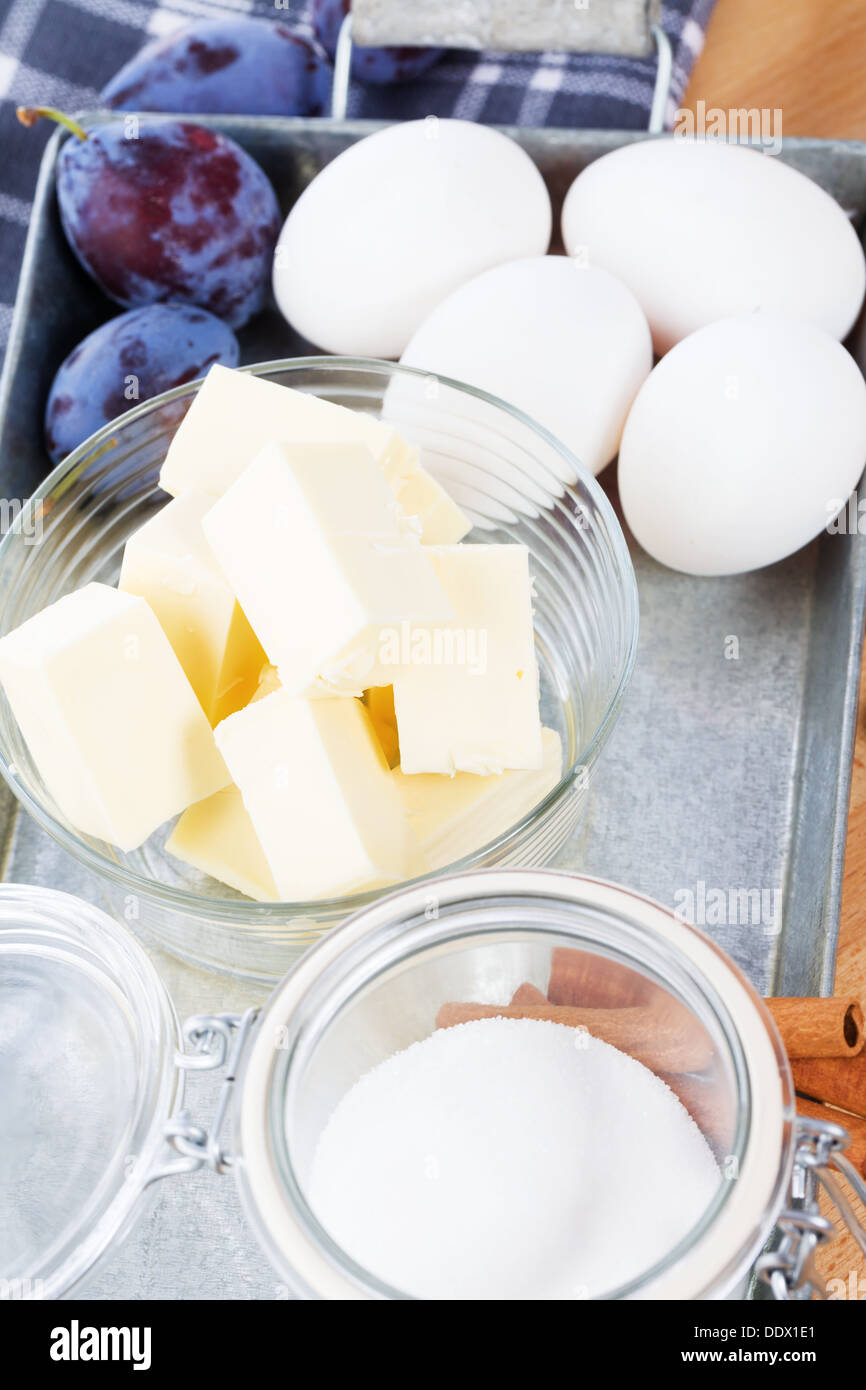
(510, 1159)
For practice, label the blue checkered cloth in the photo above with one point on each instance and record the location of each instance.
(62, 52)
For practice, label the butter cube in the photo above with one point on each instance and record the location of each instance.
(234, 415)
(379, 704)
(440, 520)
(108, 715)
(216, 836)
(268, 682)
(466, 692)
(453, 816)
(313, 544)
(169, 563)
(319, 794)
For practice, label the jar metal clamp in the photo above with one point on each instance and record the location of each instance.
(789, 1269)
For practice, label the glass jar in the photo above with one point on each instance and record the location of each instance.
(376, 985)
(369, 989)
(88, 1079)
(517, 483)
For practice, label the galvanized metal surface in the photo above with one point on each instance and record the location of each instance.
(726, 778)
(628, 28)
(619, 26)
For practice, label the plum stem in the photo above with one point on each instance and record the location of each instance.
(29, 115)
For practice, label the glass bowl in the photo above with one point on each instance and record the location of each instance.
(516, 482)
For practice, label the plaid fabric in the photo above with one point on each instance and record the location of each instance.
(61, 53)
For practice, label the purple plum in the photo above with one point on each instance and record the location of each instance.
(249, 67)
(376, 65)
(131, 358)
(169, 211)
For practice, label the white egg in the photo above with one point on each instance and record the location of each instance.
(702, 230)
(399, 220)
(742, 444)
(567, 344)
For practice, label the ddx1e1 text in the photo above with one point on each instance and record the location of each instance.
(725, 1334)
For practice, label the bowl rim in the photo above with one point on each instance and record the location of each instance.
(233, 912)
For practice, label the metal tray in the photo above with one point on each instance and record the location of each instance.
(725, 779)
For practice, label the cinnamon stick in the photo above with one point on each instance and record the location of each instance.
(856, 1127)
(663, 1038)
(594, 982)
(528, 994)
(819, 1027)
(835, 1080)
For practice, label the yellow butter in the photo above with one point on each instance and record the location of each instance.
(108, 715)
(379, 703)
(216, 836)
(268, 682)
(466, 691)
(313, 544)
(453, 816)
(440, 520)
(169, 563)
(234, 415)
(319, 794)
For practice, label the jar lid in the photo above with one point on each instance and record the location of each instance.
(87, 1082)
